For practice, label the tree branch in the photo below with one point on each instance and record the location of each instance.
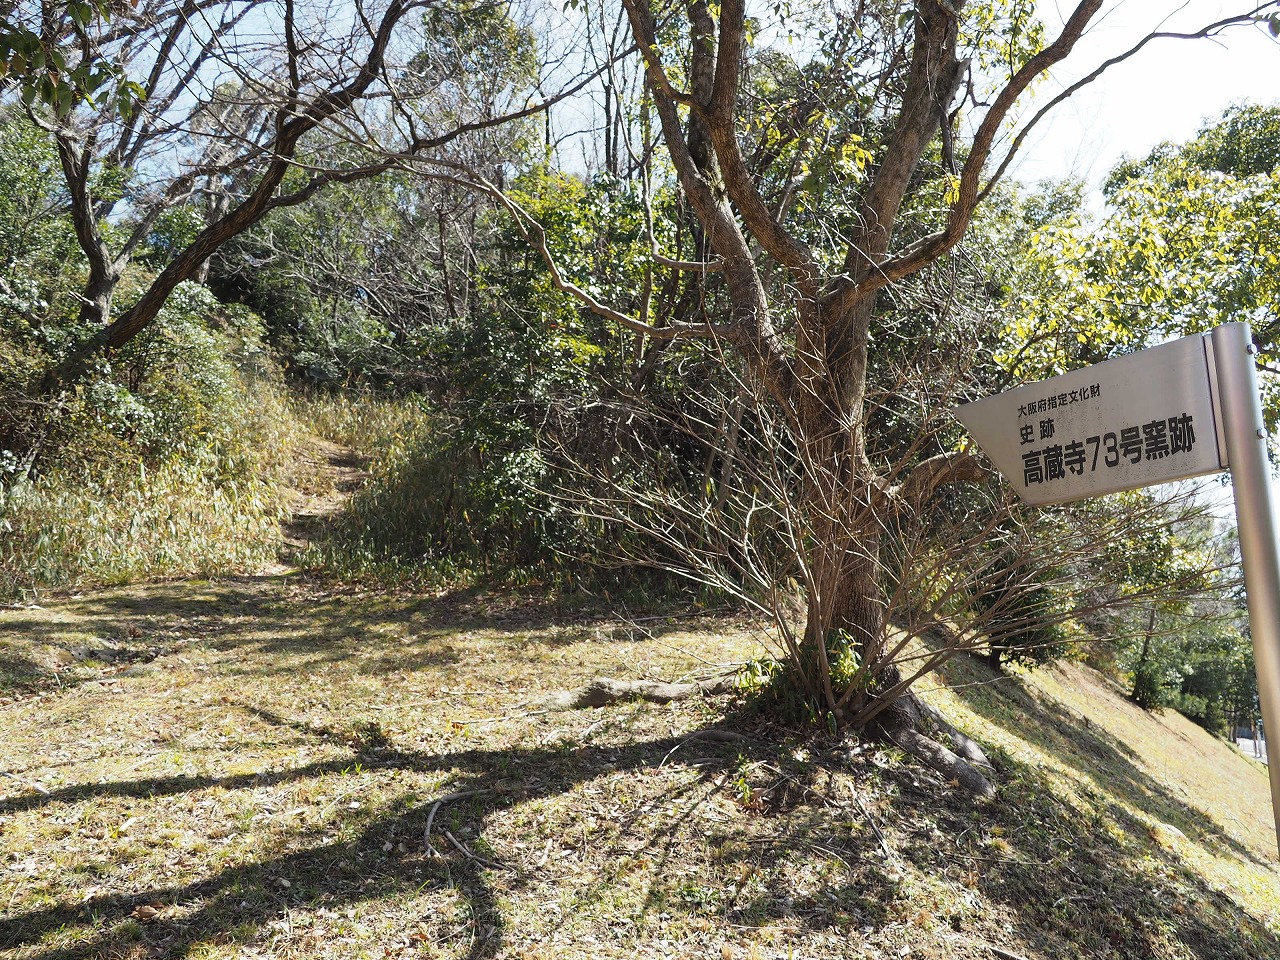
(752, 326)
(536, 235)
(925, 479)
(933, 75)
(739, 184)
(1211, 30)
(876, 273)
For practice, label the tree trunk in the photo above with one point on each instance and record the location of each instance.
(845, 612)
(1145, 655)
(99, 290)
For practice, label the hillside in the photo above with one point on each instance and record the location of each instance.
(272, 767)
(1158, 777)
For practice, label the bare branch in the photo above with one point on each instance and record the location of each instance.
(536, 235)
(876, 273)
(1211, 30)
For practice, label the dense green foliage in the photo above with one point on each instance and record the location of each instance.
(1189, 239)
(169, 461)
(534, 434)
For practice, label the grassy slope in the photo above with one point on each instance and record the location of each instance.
(248, 768)
(1160, 769)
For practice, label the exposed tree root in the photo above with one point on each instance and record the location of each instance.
(962, 745)
(903, 724)
(939, 758)
(603, 691)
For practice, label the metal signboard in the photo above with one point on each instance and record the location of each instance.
(1178, 410)
(1138, 420)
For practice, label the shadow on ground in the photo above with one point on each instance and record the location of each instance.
(898, 850)
(1052, 876)
(260, 617)
(1095, 756)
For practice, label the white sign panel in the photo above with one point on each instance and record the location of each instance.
(1131, 422)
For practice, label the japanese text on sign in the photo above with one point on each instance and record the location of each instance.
(1153, 440)
(1129, 422)
(1062, 399)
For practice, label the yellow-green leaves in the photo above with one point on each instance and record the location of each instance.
(1002, 35)
(1189, 239)
(57, 67)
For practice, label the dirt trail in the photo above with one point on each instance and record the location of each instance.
(267, 766)
(328, 475)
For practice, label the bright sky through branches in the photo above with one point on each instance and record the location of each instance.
(1165, 92)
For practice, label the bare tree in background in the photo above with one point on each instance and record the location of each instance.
(254, 107)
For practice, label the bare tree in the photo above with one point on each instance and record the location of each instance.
(799, 305)
(710, 485)
(257, 106)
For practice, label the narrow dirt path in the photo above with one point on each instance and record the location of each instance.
(330, 474)
(95, 634)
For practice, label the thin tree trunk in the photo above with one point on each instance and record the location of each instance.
(217, 203)
(1145, 654)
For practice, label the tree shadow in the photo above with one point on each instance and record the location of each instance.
(1045, 869)
(1095, 756)
(247, 896)
(1075, 885)
(310, 621)
(1051, 866)
(329, 873)
(20, 674)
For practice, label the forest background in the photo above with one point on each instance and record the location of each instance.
(460, 238)
(619, 344)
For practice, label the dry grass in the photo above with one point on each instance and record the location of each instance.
(116, 519)
(1194, 795)
(248, 769)
(365, 423)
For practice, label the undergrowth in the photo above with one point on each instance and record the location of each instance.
(366, 422)
(383, 536)
(131, 523)
(441, 507)
(435, 509)
(170, 461)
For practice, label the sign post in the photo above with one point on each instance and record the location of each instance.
(1179, 410)
(1256, 522)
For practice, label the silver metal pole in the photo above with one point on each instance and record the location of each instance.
(1246, 440)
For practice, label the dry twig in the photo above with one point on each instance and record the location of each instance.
(471, 856)
(435, 807)
(26, 783)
